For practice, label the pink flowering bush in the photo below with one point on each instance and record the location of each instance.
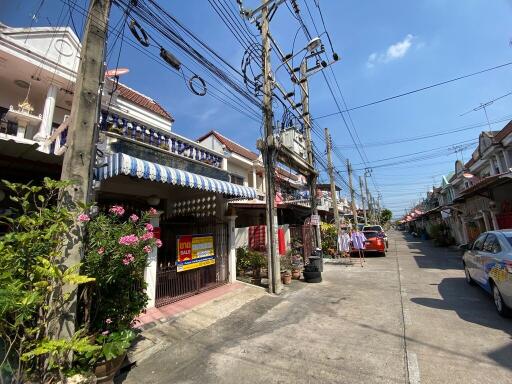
(83, 218)
(116, 254)
(117, 210)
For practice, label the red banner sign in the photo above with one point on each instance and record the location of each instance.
(185, 248)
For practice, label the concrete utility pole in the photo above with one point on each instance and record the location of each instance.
(269, 154)
(366, 173)
(330, 169)
(363, 200)
(352, 193)
(81, 145)
(304, 91)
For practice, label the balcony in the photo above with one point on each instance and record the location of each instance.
(166, 141)
(20, 124)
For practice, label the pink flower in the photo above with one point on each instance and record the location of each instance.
(152, 211)
(128, 258)
(147, 249)
(108, 321)
(83, 218)
(149, 227)
(117, 210)
(101, 251)
(134, 218)
(158, 243)
(105, 333)
(147, 236)
(129, 240)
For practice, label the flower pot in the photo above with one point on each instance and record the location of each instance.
(106, 370)
(286, 278)
(296, 274)
(256, 280)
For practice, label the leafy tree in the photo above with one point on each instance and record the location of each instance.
(385, 216)
(33, 282)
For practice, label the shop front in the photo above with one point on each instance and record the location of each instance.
(191, 221)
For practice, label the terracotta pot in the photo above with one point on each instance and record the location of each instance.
(286, 278)
(296, 274)
(106, 370)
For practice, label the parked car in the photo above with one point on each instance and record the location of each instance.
(488, 262)
(374, 243)
(378, 229)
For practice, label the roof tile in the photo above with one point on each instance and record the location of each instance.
(143, 101)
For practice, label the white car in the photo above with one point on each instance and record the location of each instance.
(488, 262)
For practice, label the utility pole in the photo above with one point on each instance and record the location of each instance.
(362, 200)
(81, 145)
(269, 154)
(352, 193)
(366, 173)
(304, 91)
(330, 169)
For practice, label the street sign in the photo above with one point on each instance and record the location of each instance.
(315, 220)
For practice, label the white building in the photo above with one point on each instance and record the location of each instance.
(143, 162)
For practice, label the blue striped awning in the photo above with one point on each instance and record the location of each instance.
(121, 164)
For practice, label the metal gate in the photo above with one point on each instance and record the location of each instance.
(303, 234)
(172, 285)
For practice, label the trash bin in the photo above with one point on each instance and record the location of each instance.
(317, 261)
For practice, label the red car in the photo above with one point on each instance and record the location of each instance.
(374, 243)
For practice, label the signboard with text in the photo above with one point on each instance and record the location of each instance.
(194, 251)
(315, 220)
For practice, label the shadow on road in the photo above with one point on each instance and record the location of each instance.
(474, 305)
(428, 256)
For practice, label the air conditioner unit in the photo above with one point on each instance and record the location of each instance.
(294, 141)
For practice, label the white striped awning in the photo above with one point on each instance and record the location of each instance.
(121, 164)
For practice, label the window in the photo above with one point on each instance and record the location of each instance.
(478, 244)
(237, 179)
(492, 245)
(508, 236)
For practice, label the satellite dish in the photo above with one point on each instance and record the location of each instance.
(116, 72)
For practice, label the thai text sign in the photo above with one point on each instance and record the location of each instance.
(315, 220)
(194, 251)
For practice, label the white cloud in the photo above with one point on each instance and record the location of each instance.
(393, 52)
(207, 113)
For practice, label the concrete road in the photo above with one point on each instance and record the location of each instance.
(405, 318)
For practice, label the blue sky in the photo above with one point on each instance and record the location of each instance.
(386, 48)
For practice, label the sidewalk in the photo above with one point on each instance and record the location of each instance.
(161, 327)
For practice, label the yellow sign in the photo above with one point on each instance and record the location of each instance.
(194, 251)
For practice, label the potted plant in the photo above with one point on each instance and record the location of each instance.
(109, 358)
(296, 265)
(257, 261)
(243, 261)
(286, 267)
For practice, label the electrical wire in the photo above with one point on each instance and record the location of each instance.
(430, 135)
(489, 69)
(234, 103)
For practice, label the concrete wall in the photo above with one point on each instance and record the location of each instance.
(241, 237)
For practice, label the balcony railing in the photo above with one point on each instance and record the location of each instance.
(164, 140)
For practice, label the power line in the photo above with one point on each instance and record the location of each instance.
(418, 90)
(444, 147)
(430, 135)
(225, 98)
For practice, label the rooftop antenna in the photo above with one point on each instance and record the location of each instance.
(484, 107)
